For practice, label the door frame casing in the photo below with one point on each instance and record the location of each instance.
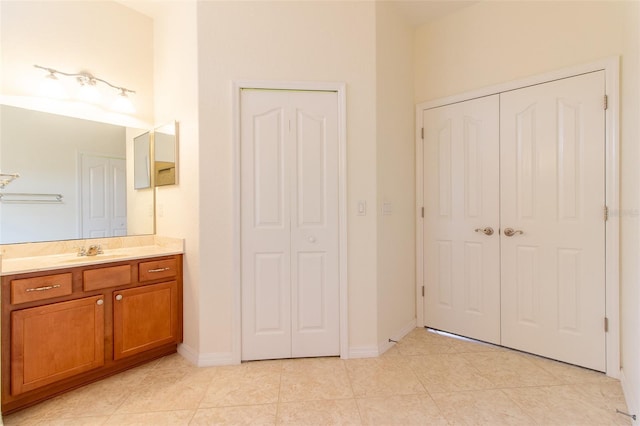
(340, 89)
(611, 67)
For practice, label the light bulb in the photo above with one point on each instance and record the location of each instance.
(122, 103)
(88, 91)
(51, 87)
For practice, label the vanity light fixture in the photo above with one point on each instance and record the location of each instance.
(88, 91)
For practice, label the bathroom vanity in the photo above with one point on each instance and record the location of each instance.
(68, 320)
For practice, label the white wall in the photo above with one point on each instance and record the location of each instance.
(176, 98)
(495, 42)
(316, 41)
(395, 175)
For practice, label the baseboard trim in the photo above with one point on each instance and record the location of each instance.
(630, 397)
(205, 360)
(363, 352)
(397, 336)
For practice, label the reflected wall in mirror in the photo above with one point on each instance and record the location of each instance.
(165, 152)
(86, 162)
(142, 161)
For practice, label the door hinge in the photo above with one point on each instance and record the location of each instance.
(606, 102)
(422, 212)
(606, 324)
(422, 133)
(606, 213)
(422, 291)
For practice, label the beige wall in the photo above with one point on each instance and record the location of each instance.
(496, 42)
(176, 98)
(395, 174)
(314, 41)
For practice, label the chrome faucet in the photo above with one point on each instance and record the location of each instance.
(91, 251)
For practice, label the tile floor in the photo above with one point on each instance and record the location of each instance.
(426, 379)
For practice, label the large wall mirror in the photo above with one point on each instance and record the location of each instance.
(76, 179)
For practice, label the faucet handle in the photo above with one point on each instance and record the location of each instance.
(100, 251)
(82, 251)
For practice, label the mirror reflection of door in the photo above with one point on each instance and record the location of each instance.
(142, 161)
(104, 196)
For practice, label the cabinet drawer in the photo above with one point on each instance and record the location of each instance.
(157, 269)
(113, 276)
(40, 288)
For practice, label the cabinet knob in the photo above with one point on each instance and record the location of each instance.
(99, 302)
(118, 297)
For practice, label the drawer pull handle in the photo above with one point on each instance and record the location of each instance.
(47, 287)
(158, 270)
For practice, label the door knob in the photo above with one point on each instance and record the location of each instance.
(312, 239)
(118, 297)
(510, 232)
(486, 231)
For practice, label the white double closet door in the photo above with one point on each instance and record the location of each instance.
(289, 225)
(103, 196)
(514, 230)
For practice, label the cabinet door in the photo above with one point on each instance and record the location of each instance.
(56, 341)
(144, 318)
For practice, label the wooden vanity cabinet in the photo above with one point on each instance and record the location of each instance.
(66, 328)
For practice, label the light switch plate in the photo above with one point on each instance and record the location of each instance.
(362, 208)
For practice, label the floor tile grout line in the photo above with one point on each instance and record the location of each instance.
(278, 401)
(353, 393)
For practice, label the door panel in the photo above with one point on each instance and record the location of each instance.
(289, 185)
(266, 252)
(462, 282)
(95, 197)
(119, 179)
(104, 196)
(314, 236)
(552, 189)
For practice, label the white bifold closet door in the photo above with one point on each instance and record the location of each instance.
(537, 283)
(289, 225)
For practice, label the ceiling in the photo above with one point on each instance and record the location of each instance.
(418, 12)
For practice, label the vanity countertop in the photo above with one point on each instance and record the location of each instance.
(43, 261)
